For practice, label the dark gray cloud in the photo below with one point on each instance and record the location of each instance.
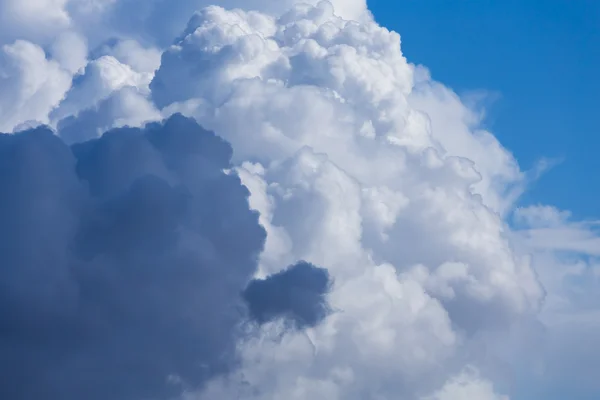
(297, 294)
(121, 262)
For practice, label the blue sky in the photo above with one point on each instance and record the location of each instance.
(541, 57)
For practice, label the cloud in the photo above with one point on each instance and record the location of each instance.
(547, 228)
(70, 50)
(565, 255)
(137, 257)
(298, 293)
(467, 386)
(32, 18)
(349, 175)
(541, 216)
(101, 78)
(331, 108)
(156, 22)
(31, 85)
(131, 53)
(162, 20)
(125, 107)
(123, 259)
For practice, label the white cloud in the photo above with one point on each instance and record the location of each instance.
(31, 85)
(467, 386)
(124, 107)
(303, 82)
(132, 53)
(32, 19)
(456, 126)
(349, 176)
(388, 338)
(157, 21)
(356, 160)
(547, 228)
(70, 50)
(161, 20)
(541, 216)
(102, 77)
(565, 254)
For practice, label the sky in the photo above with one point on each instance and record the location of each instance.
(536, 60)
(320, 200)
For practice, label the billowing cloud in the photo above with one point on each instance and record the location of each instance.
(319, 119)
(466, 386)
(139, 261)
(123, 259)
(101, 78)
(31, 85)
(125, 107)
(32, 18)
(156, 21)
(349, 175)
(297, 294)
(70, 50)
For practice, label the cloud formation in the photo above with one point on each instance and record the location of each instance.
(297, 294)
(146, 260)
(123, 259)
(31, 85)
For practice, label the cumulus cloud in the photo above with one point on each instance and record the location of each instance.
(101, 78)
(156, 21)
(466, 386)
(107, 94)
(161, 20)
(318, 116)
(125, 107)
(149, 263)
(31, 85)
(70, 50)
(457, 127)
(298, 294)
(123, 259)
(348, 174)
(32, 18)
(131, 53)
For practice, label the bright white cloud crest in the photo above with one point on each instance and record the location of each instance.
(356, 160)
